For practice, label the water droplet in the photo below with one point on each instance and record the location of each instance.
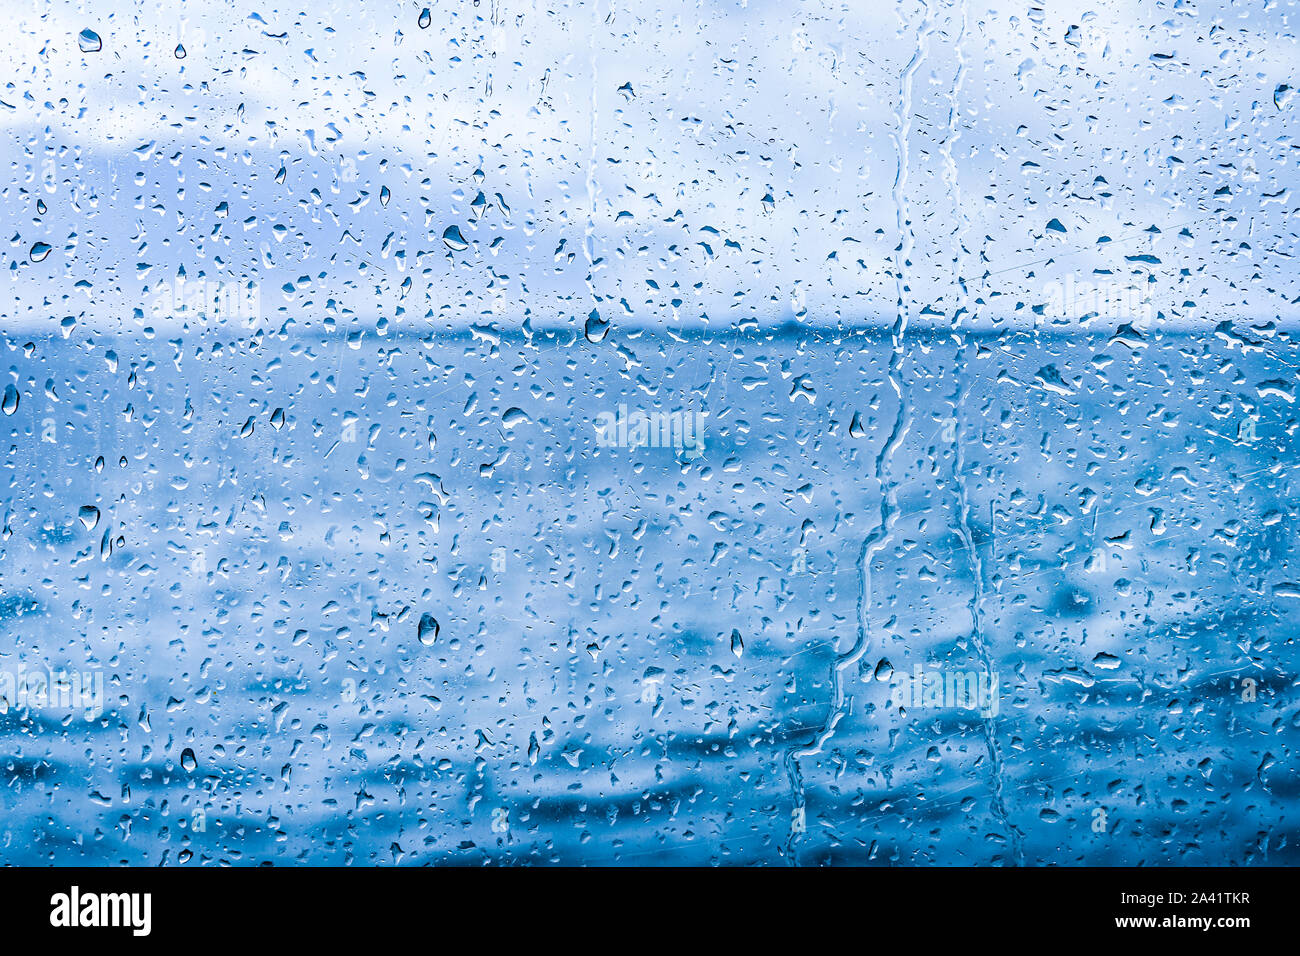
(188, 760)
(180, 51)
(454, 240)
(425, 19)
(515, 416)
(10, 403)
(1106, 662)
(89, 516)
(737, 643)
(428, 629)
(596, 328)
(89, 41)
(39, 251)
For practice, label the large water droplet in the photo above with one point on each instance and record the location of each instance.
(10, 403)
(596, 328)
(428, 629)
(89, 41)
(39, 251)
(454, 240)
(515, 416)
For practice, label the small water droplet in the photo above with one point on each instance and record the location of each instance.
(478, 205)
(188, 760)
(425, 19)
(737, 643)
(180, 51)
(89, 516)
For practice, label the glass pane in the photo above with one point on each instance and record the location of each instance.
(649, 433)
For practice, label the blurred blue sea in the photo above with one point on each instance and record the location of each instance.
(385, 598)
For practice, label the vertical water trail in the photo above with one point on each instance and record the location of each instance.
(881, 535)
(588, 241)
(964, 527)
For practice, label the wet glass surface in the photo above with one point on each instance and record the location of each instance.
(691, 434)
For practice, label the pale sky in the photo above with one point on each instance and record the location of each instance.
(662, 163)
